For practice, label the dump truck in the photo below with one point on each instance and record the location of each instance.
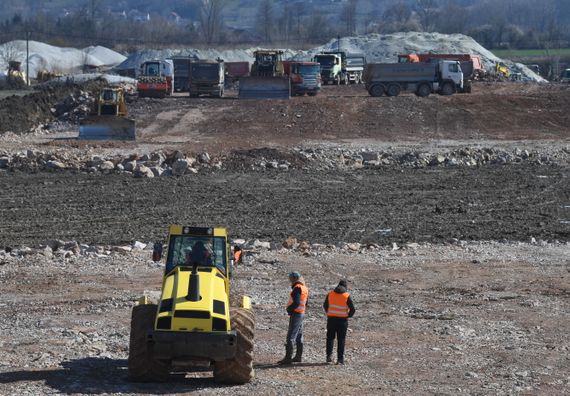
(156, 79)
(236, 70)
(339, 67)
(565, 77)
(305, 77)
(181, 65)
(443, 77)
(109, 119)
(267, 78)
(193, 325)
(207, 78)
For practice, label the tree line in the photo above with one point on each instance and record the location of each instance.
(493, 23)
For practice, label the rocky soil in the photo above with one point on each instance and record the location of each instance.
(450, 217)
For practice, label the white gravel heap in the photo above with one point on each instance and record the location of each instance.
(60, 60)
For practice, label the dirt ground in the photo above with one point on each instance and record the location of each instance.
(473, 299)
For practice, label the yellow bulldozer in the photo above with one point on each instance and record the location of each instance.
(109, 119)
(193, 324)
(502, 70)
(267, 79)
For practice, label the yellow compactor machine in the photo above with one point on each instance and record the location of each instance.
(193, 324)
(109, 119)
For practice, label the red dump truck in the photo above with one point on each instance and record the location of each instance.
(156, 79)
(305, 77)
(235, 70)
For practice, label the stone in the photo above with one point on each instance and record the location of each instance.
(157, 171)
(179, 167)
(289, 243)
(304, 245)
(130, 165)
(47, 252)
(261, 245)
(354, 247)
(139, 245)
(107, 166)
(122, 249)
(204, 158)
(239, 241)
(283, 166)
(57, 165)
(143, 171)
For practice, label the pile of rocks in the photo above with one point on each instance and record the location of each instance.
(156, 164)
(74, 106)
(470, 157)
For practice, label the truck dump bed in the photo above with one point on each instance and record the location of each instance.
(400, 72)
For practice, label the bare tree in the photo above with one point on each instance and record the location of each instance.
(348, 16)
(212, 19)
(265, 20)
(10, 52)
(427, 11)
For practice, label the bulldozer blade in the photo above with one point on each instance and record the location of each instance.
(264, 88)
(107, 128)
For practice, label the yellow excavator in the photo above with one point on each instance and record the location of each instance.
(502, 70)
(109, 120)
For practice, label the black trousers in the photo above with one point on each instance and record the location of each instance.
(336, 328)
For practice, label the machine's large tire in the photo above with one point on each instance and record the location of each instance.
(423, 90)
(376, 90)
(393, 89)
(239, 370)
(142, 366)
(447, 89)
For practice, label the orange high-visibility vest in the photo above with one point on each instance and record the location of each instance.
(338, 304)
(304, 297)
(237, 256)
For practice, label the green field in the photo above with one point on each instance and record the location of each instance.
(531, 53)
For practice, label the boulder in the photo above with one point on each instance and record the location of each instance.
(290, 243)
(106, 166)
(4, 162)
(179, 167)
(57, 165)
(204, 158)
(130, 165)
(143, 171)
(369, 156)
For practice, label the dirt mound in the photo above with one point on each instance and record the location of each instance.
(19, 114)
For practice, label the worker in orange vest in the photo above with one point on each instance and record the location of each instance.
(296, 306)
(339, 307)
(238, 256)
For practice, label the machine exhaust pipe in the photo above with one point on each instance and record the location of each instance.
(194, 285)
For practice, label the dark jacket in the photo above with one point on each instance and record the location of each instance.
(340, 290)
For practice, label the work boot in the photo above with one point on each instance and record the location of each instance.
(329, 359)
(298, 354)
(288, 354)
(340, 361)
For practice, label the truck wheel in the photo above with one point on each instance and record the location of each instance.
(239, 370)
(376, 90)
(423, 90)
(393, 90)
(346, 80)
(447, 89)
(142, 366)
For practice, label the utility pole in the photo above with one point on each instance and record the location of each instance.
(28, 36)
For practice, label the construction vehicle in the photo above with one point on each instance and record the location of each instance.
(15, 76)
(565, 77)
(339, 67)
(267, 79)
(305, 77)
(236, 70)
(109, 119)
(502, 70)
(471, 65)
(181, 65)
(444, 77)
(207, 77)
(193, 325)
(156, 79)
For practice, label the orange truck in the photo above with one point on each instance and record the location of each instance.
(470, 64)
(305, 77)
(156, 79)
